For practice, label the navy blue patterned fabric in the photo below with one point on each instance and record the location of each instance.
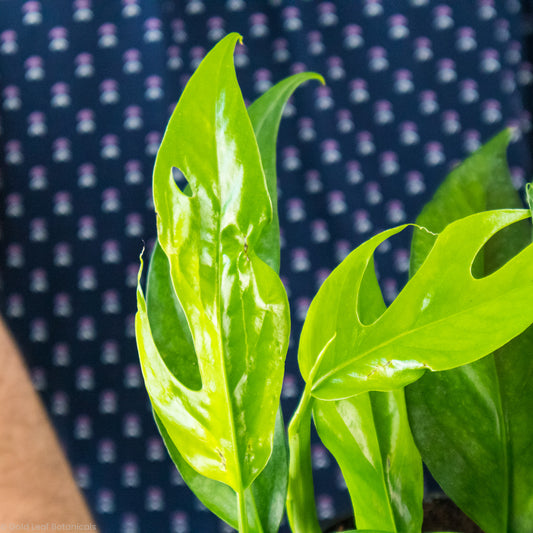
(86, 88)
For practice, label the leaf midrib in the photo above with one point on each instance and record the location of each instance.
(218, 313)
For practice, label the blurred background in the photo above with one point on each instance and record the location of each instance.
(86, 88)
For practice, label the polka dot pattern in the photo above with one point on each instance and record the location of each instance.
(86, 88)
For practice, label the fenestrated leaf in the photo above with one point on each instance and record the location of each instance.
(265, 114)
(443, 318)
(473, 424)
(266, 496)
(370, 438)
(235, 305)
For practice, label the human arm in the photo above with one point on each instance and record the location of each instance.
(36, 483)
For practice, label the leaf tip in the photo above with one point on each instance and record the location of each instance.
(512, 133)
(314, 76)
(234, 36)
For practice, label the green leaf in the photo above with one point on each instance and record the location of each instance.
(443, 318)
(265, 499)
(267, 493)
(265, 114)
(235, 305)
(370, 438)
(473, 424)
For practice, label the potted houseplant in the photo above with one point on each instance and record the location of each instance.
(213, 330)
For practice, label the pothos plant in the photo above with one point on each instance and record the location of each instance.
(213, 333)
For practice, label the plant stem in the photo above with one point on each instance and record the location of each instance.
(301, 509)
(243, 520)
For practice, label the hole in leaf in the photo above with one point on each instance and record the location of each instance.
(501, 248)
(370, 301)
(384, 277)
(168, 323)
(181, 181)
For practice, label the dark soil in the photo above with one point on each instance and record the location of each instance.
(440, 514)
(343, 525)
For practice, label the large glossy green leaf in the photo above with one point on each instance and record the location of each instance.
(443, 318)
(265, 114)
(370, 438)
(473, 424)
(235, 305)
(266, 496)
